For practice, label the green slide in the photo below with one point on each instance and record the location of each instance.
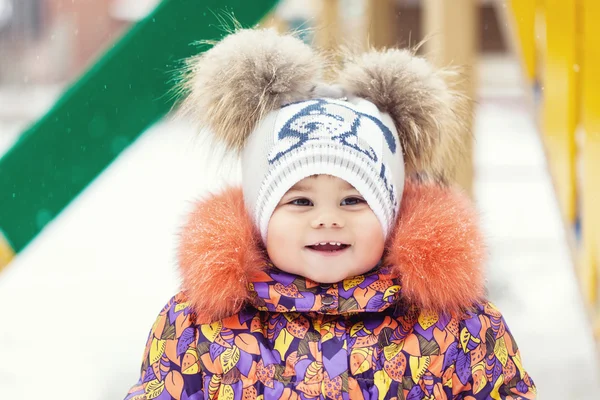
(125, 92)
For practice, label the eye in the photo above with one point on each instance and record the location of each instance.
(302, 202)
(352, 201)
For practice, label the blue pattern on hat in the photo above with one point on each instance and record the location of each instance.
(327, 120)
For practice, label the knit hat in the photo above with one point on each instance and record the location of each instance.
(349, 139)
(262, 95)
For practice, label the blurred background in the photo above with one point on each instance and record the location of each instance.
(97, 173)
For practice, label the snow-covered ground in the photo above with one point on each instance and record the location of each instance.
(79, 301)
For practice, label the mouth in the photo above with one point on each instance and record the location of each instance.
(328, 247)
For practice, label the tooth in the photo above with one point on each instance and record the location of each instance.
(323, 243)
(338, 244)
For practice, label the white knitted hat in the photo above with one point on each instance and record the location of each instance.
(350, 139)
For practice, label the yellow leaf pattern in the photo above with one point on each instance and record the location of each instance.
(464, 339)
(313, 371)
(328, 336)
(283, 342)
(157, 349)
(479, 378)
(194, 367)
(353, 282)
(154, 389)
(211, 331)
(428, 319)
(501, 351)
(383, 381)
(191, 370)
(230, 358)
(418, 366)
(226, 393)
(214, 385)
(392, 350)
(391, 291)
(517, 360)
(495, 394)
(181, 306)
(361, 360)
(357, 328)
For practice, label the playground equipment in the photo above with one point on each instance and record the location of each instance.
(123, 93)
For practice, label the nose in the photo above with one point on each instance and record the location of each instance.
(328, 220)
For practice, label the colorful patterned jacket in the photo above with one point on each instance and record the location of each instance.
(415, 327)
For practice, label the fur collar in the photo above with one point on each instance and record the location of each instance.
(435, 251)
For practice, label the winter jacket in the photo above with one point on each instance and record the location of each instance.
(415, 327)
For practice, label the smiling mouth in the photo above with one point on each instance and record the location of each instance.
(329, 247)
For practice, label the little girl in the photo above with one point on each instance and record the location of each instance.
(340, 269)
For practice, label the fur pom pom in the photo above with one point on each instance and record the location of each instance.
(428, 115)
(245, 76)
(220, 252)
(437, 249)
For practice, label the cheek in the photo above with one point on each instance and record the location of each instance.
(371, 239)
(282, 236)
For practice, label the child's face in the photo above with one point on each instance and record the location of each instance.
(324, 209)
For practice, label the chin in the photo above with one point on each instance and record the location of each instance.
(327, 280)
(329, 277)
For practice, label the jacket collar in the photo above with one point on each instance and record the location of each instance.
(435, 254)
(278, 291)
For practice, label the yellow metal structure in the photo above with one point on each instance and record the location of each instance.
(590, 12)
(570, 103)
(524, 12)
(560, 99)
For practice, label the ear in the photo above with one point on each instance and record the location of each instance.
(245, 76)
(427, 113)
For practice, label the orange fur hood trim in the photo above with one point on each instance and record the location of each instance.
(436, 250)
